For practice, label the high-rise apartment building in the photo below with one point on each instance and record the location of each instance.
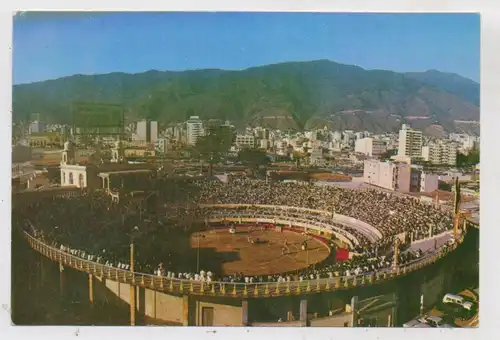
(440, 152)
(262, 133)
(410, 142)
(194, 130)
(147, 130)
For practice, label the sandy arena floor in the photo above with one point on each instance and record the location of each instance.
(233, 253)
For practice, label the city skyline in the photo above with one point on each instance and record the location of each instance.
(79, 43)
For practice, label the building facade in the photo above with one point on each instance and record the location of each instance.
(45, 139)
(37, 127)
(72, 173)
(422, 181)
(466, 142)
(387, 175)
(317, 158)
(194, 130)
(161, 145)
(147, 130)
(245, 141)
(370, 146)
(410, 142)
(428, 182)
(441, 152)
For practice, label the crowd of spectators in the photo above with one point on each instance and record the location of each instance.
(95, 228)
(388, 213)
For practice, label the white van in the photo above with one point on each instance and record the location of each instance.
(455, 299)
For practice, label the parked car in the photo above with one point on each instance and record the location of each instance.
(434, 321)
(458, 300)
(411, 324)
(454, 299)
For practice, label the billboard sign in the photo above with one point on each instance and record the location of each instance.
(97, 119)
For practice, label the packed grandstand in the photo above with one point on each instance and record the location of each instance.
(96, 228)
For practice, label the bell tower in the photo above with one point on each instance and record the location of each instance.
(68, 154)
(117, 152)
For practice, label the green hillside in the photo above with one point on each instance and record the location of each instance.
(288, 95)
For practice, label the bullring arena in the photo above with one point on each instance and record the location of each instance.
(262, 257)
(248, 252)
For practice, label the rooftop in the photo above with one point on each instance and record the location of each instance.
(123, 172)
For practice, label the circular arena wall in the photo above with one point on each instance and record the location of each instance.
(308, 302)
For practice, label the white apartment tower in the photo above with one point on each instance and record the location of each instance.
(194, 130)
(410, 142)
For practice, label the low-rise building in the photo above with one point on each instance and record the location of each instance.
(45, 139)
(370, 146)
(429, 182)
(161, 145)
(422, 181)
(245, 141)
(317, 158)
(131, 152)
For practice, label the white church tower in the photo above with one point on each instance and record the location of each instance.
(68, 155)
(117, 152)
(72, 173)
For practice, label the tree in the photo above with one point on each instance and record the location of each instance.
(255, 158)
(444, 186)
(214, 145)
(388, 154)
(471, 159)
(54, 175)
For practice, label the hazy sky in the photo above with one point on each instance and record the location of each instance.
(52, 45)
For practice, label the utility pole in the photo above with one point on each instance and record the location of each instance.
(396, 253)
(132, 287)
(198, 255)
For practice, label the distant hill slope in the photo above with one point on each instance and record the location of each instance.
(450, 82)
(288, 96)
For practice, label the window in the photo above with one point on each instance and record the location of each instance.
(70, 178)
(80, 181)
(64, 178)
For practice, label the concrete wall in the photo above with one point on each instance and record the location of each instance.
(399, 297)
(167, 307)
(224, 315)
(332, 321)
(277, 324)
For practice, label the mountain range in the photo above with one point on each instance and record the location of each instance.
(292, 95)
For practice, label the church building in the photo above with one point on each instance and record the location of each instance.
(100, 174)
